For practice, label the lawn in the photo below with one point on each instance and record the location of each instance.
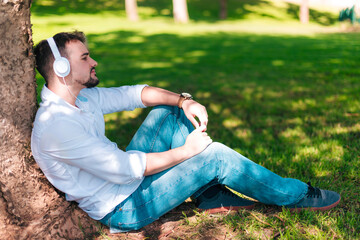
(283, 94)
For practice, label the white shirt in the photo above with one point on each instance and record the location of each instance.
(70, 146)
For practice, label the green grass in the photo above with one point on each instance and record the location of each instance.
(283, 94)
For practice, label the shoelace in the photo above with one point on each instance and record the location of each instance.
(313, 192)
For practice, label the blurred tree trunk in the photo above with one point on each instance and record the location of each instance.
(131, 10)
(223, 9)
(180, 11)
(304, 11)
(30, 208)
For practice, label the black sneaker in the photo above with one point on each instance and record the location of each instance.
(316, 199)
(222, 202)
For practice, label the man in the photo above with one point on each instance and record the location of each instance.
(166, 162)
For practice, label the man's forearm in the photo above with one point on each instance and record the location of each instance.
(195, 143)
(153, 96)
(157, 162)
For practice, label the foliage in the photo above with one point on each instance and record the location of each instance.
(280, 93)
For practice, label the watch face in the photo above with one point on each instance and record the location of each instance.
(186, 95)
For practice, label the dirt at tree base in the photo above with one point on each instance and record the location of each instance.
(174, 226)
(180, 223)
(185, 222)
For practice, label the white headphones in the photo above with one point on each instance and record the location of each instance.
(61, 64)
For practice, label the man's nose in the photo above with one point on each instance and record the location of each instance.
(94, 63)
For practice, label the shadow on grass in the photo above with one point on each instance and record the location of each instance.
(199, 10)
(271, 98)
(265, 95)
(289, 103)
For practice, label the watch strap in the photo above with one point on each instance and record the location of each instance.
(182, 98)
(180, 102)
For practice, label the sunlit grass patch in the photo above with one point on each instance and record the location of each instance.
(339, 129)
(332, 150)
(308, 152)
(295, 135)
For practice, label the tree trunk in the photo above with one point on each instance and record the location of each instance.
(223, 9)
(131, 10)
(30, 208)
(180, 11)
(304, 11)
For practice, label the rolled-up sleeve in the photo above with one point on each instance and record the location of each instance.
(68, 142)
(116, 99)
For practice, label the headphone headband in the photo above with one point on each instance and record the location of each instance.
(54, 48)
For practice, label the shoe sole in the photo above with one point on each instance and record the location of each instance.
(224, 210)
(315, 208)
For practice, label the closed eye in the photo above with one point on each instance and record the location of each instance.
(84, 56)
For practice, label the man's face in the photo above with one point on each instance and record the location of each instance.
(81, 64)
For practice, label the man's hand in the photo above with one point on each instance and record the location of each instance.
(197, 141)
(194, 109)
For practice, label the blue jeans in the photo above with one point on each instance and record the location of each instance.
(167, 127)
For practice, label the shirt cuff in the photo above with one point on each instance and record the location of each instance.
(137, 163)
(139, 89)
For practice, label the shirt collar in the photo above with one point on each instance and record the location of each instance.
(48, 95)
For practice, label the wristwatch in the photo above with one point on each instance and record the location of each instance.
(183, 97)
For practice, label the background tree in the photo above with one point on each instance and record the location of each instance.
(131, 10)
(304, 11)
(180, 11)
(30, 208)
(223, 9)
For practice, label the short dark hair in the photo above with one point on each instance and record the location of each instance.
(44, 57)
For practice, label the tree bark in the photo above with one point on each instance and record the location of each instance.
(30, 208)
(131, 10)
(304, 11)
(223, 9)
(180, 11)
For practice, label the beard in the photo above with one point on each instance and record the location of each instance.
(91, 82)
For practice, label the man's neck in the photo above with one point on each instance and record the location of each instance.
(69, 94)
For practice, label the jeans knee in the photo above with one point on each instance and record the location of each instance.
(221, 154)
(168, 109)
(214, 148)
(212, 153)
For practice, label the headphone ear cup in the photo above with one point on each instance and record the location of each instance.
(61, 67)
